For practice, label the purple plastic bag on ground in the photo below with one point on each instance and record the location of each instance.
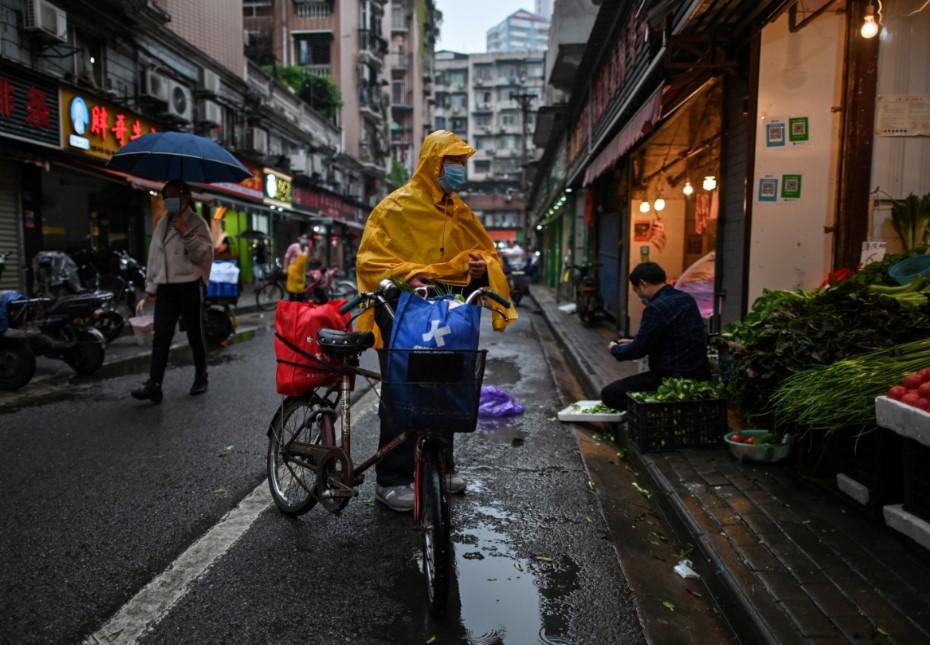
(495, 402)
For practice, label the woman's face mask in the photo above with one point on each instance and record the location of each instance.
(173, 205)
(452, 179)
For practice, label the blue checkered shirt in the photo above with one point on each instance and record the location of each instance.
(672, 335)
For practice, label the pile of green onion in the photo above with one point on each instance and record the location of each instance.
(842, 395)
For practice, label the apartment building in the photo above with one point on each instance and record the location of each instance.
(409, 70)
(521, 31)
(343, 40)
(491, 100)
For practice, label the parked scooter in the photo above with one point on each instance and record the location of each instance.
(588, 302)
(17, 362)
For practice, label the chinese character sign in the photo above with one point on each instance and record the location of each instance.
(28, 109)
(98, 128)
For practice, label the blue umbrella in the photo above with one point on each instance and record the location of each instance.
(178, 155)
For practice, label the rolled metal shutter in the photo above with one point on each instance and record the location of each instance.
(10, 235)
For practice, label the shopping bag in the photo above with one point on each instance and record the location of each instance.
(302, 363)
(434, 323)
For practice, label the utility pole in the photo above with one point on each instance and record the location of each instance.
(524, 100)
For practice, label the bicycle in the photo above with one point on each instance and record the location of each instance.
(307, 463)
(268, 295)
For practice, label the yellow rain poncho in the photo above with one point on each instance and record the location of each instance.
(421, 229)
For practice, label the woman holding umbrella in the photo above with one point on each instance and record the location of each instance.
(180, 259)
(181, 251)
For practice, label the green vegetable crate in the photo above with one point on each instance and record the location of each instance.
(672, 425)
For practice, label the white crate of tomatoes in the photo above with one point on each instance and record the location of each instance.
(913, 390)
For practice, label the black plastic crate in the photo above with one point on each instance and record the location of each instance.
(676, 424)
(916, 457)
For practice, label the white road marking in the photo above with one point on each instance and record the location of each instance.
(153, 602)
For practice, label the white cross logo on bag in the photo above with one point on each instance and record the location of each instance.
(436, 332)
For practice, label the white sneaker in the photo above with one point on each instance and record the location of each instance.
(455, 484)
(396, 498)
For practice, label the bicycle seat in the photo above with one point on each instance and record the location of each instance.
(334, 341)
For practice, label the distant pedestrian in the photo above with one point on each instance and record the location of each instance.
(180, 259)
(295, 266)
(671, 334)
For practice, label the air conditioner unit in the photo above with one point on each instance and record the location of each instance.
(210, 112)
(211, 82)
(257, 140)
(156, 86)
(46, 19)
(180, 102)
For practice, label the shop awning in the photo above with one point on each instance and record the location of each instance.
(632, 132)
(122, 178)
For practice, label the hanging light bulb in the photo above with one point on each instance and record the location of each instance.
(644, 206)
(659, 204)
(710, 182)
(688, 190)
(869, 26)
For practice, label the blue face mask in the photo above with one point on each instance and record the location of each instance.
(453, 177)
(173, 205)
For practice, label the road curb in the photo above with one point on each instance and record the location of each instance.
(749, 625)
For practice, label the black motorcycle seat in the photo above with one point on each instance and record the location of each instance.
(334, 341)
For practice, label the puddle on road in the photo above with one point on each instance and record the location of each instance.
(495, 597)
(501, 372)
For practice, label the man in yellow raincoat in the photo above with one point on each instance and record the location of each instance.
(423, 232)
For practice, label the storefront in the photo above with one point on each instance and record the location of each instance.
(241, 225)
(30, 132)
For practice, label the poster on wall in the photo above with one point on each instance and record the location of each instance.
(799, 133)
(791, 187)
(903, 116)
(768, 189)
(641, 228)
(774, 133)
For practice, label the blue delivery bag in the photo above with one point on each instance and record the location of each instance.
(432, 369)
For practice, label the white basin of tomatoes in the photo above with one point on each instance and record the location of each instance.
(913, 390)
(740, 438)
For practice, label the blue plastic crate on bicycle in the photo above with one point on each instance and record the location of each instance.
(432, 371)
(224, 281)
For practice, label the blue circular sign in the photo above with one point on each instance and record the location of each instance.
(80, 116)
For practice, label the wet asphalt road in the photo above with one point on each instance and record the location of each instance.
(102, 494)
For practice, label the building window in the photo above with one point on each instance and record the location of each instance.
(483, 120)
(256, 8)
(459, 125)
(440, 123)
(314, 9)
(88, 62)
(507, 119)
(483, 167)
(313, 51)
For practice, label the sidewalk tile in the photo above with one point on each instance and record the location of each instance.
(781, 585)
(758, 557)
(809, 619)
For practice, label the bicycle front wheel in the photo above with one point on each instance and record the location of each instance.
(291, 477)
(434, 525)
(268, 296)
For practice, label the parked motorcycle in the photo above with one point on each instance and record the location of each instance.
(588, 302)
(61, 328)
(17, 362)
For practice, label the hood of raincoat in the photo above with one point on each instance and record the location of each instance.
(421, 229)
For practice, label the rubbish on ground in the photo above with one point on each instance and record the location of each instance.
(668, 605)
(495, 402)
(645, 492)
(683, 569)
(225, 451)
(543, 558)
(569, 308)
(589, 411)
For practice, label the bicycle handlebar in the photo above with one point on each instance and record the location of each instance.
(375, 295)
(353, 303)
(499, 299)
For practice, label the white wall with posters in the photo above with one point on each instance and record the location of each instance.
(800, 80)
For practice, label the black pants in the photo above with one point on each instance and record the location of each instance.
(397, 467)
(173, 301)
(614, 395)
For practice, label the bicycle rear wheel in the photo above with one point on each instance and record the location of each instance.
(292, 478)
(268, 296)
(434, 525)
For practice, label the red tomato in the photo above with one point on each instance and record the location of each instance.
(911, 398)
(924, 374)
(911, 382)
(897, 392)
(923, 404)
(750, 439)
(924, 390)
(736, 437)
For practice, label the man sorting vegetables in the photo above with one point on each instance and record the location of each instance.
(671, 334)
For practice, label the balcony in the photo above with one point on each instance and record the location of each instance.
(372, 42)
(399, 20)
(401, 61)
(401, 101)
(371, 102)
(319, 70)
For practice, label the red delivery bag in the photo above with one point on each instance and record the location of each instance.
(302, 364)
